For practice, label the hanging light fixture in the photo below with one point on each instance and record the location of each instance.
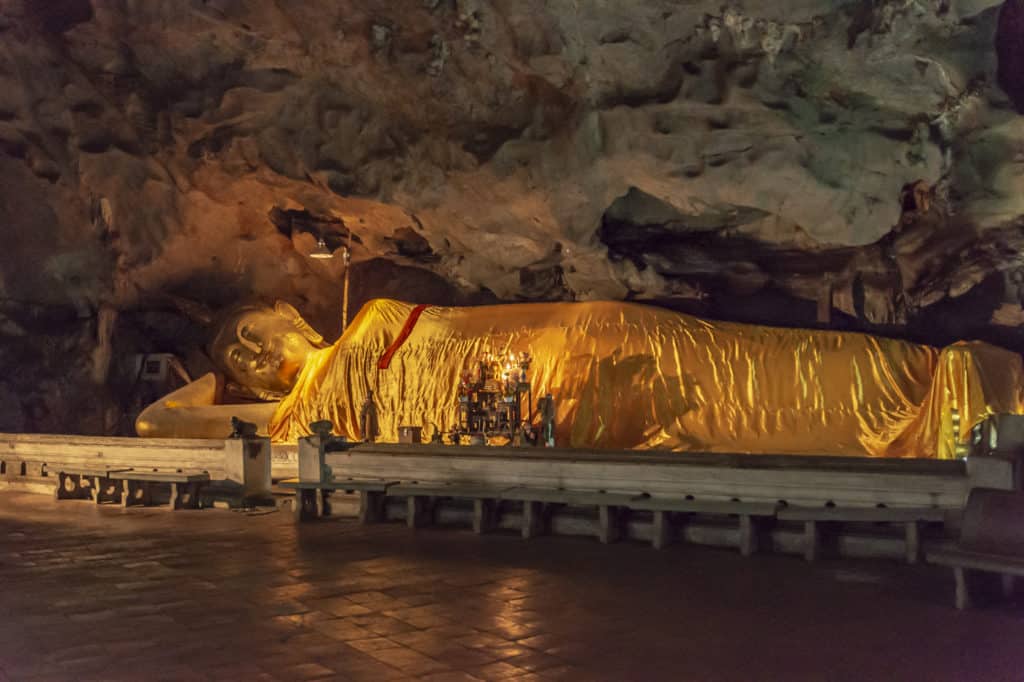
(321, 252)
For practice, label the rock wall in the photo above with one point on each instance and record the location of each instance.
(733, 160)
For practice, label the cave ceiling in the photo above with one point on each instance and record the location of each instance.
(693, 154)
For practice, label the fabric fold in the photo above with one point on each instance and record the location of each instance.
(628, 376)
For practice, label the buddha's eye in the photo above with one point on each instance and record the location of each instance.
(240, 356)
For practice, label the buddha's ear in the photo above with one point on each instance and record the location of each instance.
(288, 311)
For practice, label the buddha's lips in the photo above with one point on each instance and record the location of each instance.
(268, 362)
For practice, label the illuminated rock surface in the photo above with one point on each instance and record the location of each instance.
(729, 162)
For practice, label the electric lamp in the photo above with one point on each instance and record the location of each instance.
(321, 252)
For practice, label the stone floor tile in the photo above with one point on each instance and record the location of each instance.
(43, 620)
(74, 651)
(307, 619)
(426, 622)
(364, 667)
(482, 640)
(451, 676)
(373, 644)
(410, 636)
(304, 671)
(510, 629)
(565, 649)
(562, 673)
(233, 670)
(416, 599)
(374, 598)
(289, 591)
(59, 677)
(283, 608)
(539, 642)
(496, 671)
(220, 596)
(342, 606)
(508, 651)
(409, 661)
(342, 630)
(31, 667)
(535, 661)
(451, 632)
(382, 625)
(460, 657)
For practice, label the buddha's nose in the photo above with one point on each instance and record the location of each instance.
(268, 359)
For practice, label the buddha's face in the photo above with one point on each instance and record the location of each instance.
(263, 349)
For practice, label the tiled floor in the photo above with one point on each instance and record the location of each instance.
(106, 594)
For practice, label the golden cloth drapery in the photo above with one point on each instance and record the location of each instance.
(633, 376)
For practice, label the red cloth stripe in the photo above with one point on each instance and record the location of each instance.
(410, 322)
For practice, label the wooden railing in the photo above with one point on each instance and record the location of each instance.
(800, 480)
(803, 480)
(40, 453)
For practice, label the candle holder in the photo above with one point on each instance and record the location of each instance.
(491, 403)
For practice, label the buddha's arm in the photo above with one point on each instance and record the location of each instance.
(192, 412)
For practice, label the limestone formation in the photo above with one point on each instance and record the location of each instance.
(726, 159)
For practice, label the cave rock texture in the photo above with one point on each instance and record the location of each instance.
(738, 160)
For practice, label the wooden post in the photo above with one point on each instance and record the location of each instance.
(531, 519)
(913, 542)
(413, 511)
(661, 530)
(1008, 583)
(482, 510)
(810, 540)
(370, 506)
(193, 494)
(748, 539)
(963, 596)
(608, 530)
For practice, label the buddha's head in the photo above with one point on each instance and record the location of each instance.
(262, 349)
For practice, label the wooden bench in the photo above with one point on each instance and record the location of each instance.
(76, 483)
(420, 498)
(910, 517)
(128, 486)
(991, 541)
(663, 508)
(137, 487)
(536, 501)
(486, 498)
(312, 498)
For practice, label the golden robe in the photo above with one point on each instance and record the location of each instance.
(631, 376)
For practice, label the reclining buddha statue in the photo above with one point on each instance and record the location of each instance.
(624, 376)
